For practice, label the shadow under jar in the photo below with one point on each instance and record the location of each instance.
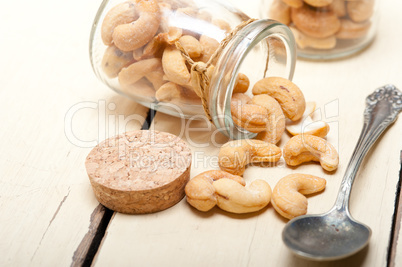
(326, 29)
(133, 51)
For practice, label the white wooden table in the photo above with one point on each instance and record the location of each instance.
(53, 110)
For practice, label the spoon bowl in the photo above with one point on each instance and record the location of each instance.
(330, 236)
(335, 234)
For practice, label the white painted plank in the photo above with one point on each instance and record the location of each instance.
(45, 197)
(182, 236)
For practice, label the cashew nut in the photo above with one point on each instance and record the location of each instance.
(156, 77)
(153, 49)
(360, 10)
(242, 84)
(204, 15)
(306, 125)
(305, 148)
(220, 188)
(318, 3)
(293, 3)
(201, 193)
(191, 45)
(114, 60)
(133, 35)
(235, 155)
(174, 66)
(234, 197)
(222, 24)
(171, 92)
(209, 46)
(172, 35)
(186, 11)
(339, 8)
(353, 30)
(122, 13)
(280, 11)
(141, 89)
(276, 119)
(285, 92)
(288, 196)
(137, 70)
(249, 116)
(315, 24)
(175, 4)
(304, 41)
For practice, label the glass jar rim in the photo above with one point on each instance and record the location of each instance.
(230, 61)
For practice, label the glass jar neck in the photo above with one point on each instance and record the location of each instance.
(266, 46)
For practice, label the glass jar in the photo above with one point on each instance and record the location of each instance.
(133, 51)
(326, 29)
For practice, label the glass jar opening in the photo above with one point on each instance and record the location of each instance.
(264, 48)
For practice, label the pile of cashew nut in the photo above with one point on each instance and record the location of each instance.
(319, 24)
(141, 52)
(228, 192)
(277, 104)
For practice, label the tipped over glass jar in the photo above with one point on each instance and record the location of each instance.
(134, 50)
(326, 29)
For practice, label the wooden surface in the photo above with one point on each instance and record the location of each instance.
(53, 110)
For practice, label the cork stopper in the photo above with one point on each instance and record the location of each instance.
(139, 172)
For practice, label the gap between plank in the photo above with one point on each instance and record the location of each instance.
(100, 219)
(396, 222)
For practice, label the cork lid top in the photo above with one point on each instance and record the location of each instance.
(138, 160)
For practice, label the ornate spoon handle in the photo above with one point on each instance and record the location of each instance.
(382, 109)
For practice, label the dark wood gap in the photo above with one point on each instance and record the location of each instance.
(396, 222)
(100, 219)
(98, 237)
(150, 117)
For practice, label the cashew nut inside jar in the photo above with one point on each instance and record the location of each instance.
(326, 29)
(145, 50)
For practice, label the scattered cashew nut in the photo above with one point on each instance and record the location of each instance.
(235, 155)
(234, 197)
(306, 125)
(228, 191)
(200, 191)
(276, 119)
(305, 148)
(288, 95)
(288, 196)
(249, 116)
(242, 84)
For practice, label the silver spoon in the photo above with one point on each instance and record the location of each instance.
(335, 234)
